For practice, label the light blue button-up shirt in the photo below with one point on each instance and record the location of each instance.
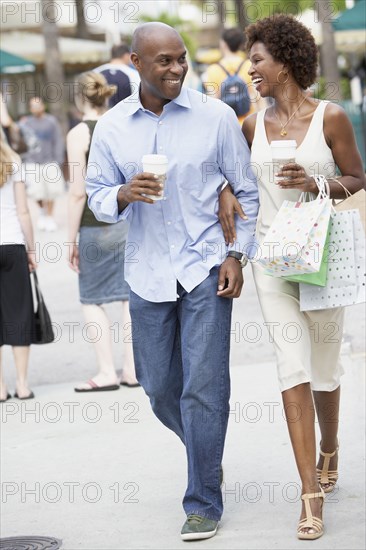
(178, 238)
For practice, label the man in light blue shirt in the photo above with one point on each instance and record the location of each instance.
(181, 273)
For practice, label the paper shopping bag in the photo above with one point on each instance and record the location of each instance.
(43, 331)
(356, 201)
(318, 278)
(346, 266)
(294, 243)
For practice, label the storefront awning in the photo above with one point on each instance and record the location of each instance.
(350, 28)
(72, 50)
(352, 19)
(13, 64)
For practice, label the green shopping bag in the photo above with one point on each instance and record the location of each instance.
(319, 278)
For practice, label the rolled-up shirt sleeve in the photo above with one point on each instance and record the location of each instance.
(103, 181)
(234, 155)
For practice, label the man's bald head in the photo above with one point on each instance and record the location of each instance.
(148, 32)
(159, 55)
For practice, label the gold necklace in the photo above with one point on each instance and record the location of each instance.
(283, 126)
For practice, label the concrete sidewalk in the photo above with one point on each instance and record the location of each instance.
(100, 472)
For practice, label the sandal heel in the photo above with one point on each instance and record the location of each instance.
(327, 479)
(310, 521)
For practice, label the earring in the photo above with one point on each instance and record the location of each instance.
(286, 75)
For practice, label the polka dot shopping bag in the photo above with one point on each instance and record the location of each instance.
(294, 243)
(346, 273)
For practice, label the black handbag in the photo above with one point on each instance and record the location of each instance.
(43, 331)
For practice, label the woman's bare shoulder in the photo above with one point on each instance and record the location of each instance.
(334, 112)
(336, 121)
(79, 136)
(78, 131)
(248, 128)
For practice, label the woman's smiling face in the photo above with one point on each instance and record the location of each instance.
(264, 69)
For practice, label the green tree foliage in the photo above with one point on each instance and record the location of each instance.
(294, 7)
(179, 25)
(252, 10)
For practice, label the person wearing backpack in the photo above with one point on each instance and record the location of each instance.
(228, 79)
(120, 73)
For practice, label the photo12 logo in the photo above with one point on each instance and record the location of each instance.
(69, 492)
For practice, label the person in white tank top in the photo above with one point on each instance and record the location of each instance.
(283, 57)
(17, 258)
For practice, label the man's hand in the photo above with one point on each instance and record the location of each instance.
(230, 279)
(135, 189)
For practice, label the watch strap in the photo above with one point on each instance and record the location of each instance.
(242, 258)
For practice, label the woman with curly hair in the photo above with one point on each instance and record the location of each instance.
(283, 59)
(98, 257)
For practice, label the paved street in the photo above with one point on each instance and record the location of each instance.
(100, 472)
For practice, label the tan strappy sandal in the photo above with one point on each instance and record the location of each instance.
(327, 478)
(310, 521)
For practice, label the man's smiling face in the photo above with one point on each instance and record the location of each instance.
(162, 65)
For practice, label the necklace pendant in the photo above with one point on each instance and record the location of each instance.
(283, 132)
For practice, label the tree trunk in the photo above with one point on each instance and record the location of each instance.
(328, 52)
(56, 90)
(222, 17)
(81, 26)
(240, 14)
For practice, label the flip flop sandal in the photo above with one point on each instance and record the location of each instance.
(95, 387)
(30, 396)
(6, 398)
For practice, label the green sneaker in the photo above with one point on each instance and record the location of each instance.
(197, 527)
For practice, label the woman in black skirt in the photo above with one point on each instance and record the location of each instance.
(17, 259)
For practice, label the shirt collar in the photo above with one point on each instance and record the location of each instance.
(132, 104)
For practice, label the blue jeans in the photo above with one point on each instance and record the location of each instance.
(181, 352)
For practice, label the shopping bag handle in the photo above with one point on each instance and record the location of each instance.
(320, 183)
(37, 287)
(347, 192)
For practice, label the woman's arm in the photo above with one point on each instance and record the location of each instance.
(339, 135)
(228, 203)
(5, 118)
(25, 222)
(77, 143)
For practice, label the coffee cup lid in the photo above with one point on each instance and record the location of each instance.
(155, 159)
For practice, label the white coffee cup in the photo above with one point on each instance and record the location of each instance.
(158, 165)
(283, 152)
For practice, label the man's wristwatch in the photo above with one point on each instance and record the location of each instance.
(242, 258)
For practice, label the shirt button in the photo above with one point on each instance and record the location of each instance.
(172, 246)
(160, 123)
(160, 147)
(169, 223)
